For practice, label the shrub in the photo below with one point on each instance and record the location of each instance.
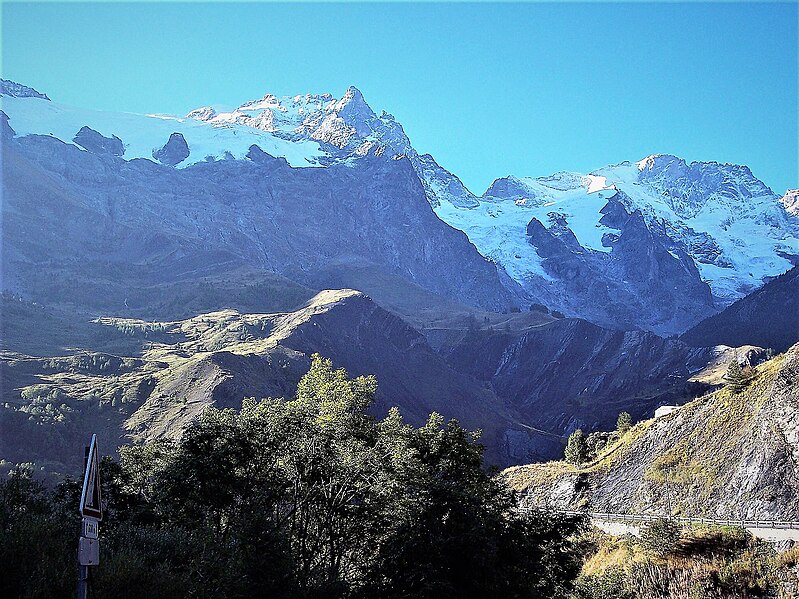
(661, 537)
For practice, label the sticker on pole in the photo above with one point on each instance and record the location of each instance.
(90, 497)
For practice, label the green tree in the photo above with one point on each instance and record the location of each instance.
(735, 377)
(623, 422)
(306, 497)
(576, 448)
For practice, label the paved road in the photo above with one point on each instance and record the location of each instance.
(620, 524)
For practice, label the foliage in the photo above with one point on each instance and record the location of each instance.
(624, 422)
(576, 448)
(661, 537)
(708, 562)
(610, 584)
(309, 497)
(737, 377)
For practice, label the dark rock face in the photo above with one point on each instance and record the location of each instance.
(113, 227)
(645, 276)
(571, 373)
(769, 317)
(174, 151)
(5, 129)
(508, 188)
(93, 141)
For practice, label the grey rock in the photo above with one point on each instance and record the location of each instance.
(17, 90)
(95, 142)
(173, 152)
(644, 281)
(5, 129)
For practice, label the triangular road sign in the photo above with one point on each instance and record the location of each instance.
(90, 506)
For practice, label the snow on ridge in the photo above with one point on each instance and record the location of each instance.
(141, 134)
(729, 222)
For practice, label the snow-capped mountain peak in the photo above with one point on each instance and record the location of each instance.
(567, 238)
(342, 123)
(791, 201)
(731, 228)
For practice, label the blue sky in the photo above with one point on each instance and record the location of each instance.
(488, 89)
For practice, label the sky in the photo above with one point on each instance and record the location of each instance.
(488, 89)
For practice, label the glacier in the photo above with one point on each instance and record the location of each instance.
(732, 228)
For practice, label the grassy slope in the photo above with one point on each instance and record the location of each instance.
(724, 454)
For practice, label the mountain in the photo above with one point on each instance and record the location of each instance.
(709, 233)
(93, 229)
(174, 369)
(346, 129)
(768, 317)
(725, 455)
(569, 240)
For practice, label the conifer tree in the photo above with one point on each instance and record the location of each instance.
(576, 448)
(623, 422)
(735, 377)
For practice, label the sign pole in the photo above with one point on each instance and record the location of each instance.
(92, 512)
(83, 575)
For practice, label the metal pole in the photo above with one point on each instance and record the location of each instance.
(83, 587)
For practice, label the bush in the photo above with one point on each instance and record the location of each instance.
(611, 584)
(661, 537)
(624, 422)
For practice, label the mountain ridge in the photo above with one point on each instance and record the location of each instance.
(700, 209)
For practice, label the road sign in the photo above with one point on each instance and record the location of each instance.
(88, 552)
(89, 528)
(90, 497)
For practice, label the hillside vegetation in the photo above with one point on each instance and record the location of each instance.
(304, 497)
(684, 563)
(731, 454)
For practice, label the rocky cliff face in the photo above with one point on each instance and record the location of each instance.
(93, 141)
(16, 90)
(570, 373)
(642, 276)
(769, 317)
(126, 224)
(729, 454)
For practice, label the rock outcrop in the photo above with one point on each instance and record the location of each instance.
(174, 151)
(729, 454)
(95, 142)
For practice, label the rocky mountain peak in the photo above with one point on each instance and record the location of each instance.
(17, 90)
(791, 202)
